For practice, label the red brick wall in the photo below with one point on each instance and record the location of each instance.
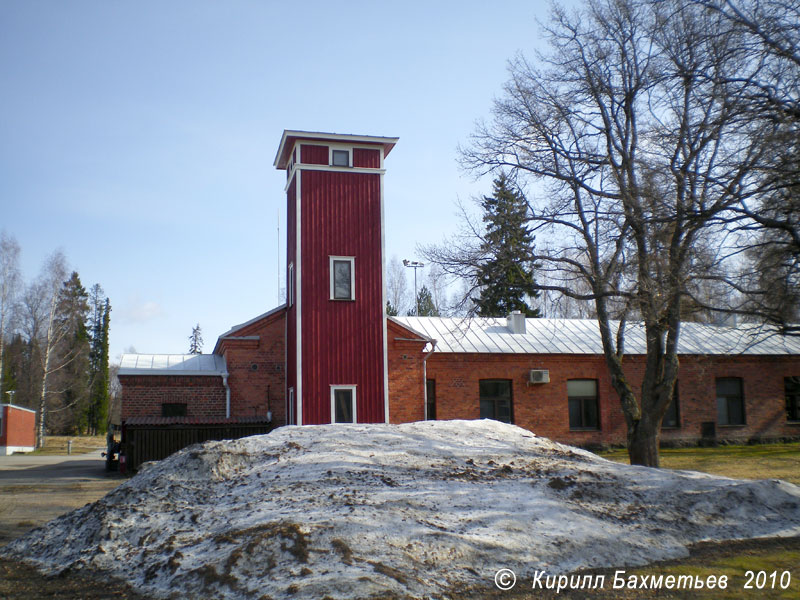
(18, 427)
(406, 379)
(256, 367)
(143, 395)
(543, 408)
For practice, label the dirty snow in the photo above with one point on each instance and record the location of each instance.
(341, 511)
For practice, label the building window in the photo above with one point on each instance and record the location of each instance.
(173, 409)
(342, 278)
(430, 400)
(290, 285)
(495, 397)
(583, 411)
(730, 401)
(340, 158)
(792, 387)
(343, 404)
(672, 416)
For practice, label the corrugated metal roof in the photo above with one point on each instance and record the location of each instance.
(172, 364)
(582, 336)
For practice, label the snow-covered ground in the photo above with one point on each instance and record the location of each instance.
(341, 511)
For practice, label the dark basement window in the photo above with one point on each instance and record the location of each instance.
(173, 409)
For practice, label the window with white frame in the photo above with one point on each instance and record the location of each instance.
(291, 409)
(343, 404)
(290, 285)
(340, 157)
(342, 278)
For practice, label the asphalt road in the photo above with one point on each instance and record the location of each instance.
(22, 469)
(37, 488)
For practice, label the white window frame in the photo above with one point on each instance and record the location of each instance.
(351, 388)
(347, 149)
(352, 261)
(290, 285)
(291, 409)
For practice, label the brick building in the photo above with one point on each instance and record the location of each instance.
(17, 429)
(331, 355)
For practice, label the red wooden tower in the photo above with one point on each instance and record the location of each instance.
(336, 364)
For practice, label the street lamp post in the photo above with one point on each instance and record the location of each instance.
(414, 264)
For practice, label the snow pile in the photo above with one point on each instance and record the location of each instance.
(340, 511)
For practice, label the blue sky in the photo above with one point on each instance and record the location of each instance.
(138, 137)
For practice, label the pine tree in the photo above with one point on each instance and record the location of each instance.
(427, 308)
(506, 277)
(196, 340)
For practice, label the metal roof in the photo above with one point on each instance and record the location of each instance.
(241, 326)
(289, 138)
(172, 364)
(582, 336)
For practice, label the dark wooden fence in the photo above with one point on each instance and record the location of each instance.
(142, 443)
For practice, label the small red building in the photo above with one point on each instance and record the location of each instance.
(330, 354)
(17, 429)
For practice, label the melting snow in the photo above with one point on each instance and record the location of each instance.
(417, 509)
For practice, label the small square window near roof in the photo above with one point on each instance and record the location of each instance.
(340, 158)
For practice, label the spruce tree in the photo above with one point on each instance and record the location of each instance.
(196, 340)
(97, 416)
(506, 276)
(73, 352)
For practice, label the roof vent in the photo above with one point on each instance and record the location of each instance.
(516, 322)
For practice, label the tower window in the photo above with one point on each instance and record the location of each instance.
(340, 158)
(342, 278)
(290, 285)
(343, 404)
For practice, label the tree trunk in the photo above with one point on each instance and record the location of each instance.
(643, 444)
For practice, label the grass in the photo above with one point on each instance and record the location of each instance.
(57, 444)
(762, 461)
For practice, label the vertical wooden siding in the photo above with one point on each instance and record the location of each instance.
(363, 157)
(314, 155)
(342, 340)
(291, 313)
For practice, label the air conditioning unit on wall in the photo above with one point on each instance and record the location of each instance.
(539, 376)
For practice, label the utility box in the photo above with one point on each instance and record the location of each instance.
(539, 376)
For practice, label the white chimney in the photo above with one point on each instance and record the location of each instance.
(516, 322)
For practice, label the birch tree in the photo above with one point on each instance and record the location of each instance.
(48, 286)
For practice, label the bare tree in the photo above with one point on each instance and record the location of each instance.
(769, 282)
(47, 287)
(397, 290)
(645, 146)
(9, 285)
(436, 282)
